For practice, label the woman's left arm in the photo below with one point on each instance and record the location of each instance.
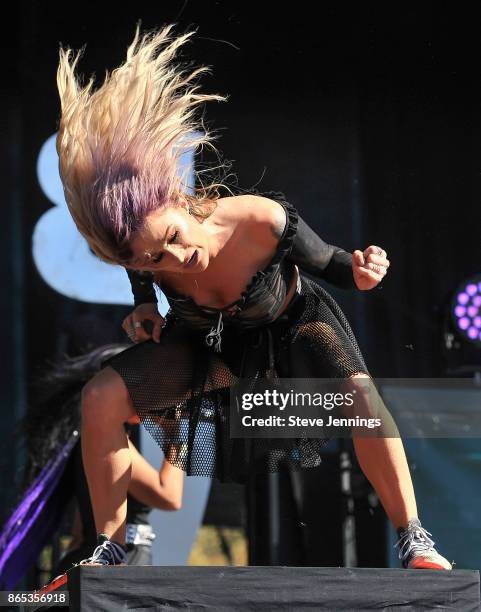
(362, 270)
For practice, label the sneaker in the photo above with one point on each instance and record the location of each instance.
(416, 549)
(107, 552)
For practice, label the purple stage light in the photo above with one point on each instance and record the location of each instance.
(472, 333)
(466, 309)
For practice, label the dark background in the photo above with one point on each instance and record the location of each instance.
(366, 117)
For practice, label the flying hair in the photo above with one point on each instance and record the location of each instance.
(119, 146)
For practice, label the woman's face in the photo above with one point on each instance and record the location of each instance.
(171, 240)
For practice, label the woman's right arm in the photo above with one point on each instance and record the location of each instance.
(142, 287)
(145, 301)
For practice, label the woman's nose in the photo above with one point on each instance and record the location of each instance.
(175, 254)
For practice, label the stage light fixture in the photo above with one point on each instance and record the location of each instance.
(466, 310)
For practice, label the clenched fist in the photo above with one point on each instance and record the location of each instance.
(369, 267)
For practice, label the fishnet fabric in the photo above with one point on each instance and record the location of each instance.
(180, 388)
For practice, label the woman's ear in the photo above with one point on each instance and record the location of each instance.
(186, 205)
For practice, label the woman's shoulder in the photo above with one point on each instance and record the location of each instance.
(259, 213)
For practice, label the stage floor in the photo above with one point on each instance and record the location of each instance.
(153, 588)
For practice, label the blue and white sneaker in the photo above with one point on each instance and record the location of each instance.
(107, 552)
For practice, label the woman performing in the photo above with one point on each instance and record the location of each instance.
(240, 307)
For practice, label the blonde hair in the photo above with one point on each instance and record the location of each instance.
(119, 146)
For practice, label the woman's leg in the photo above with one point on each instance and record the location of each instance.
(384, 463)
(326, 348)
(106, 406)
(382, 459)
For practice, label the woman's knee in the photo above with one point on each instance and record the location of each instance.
(105, 400)
(369, 404)
(359, 389)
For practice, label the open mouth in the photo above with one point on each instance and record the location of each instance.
(193, 259)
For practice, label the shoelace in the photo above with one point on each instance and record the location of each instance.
(413, 541)
(107, 553)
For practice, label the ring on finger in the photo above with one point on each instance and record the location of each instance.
(137, 324)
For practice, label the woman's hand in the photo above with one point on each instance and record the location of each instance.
(132, 324)
(369, 267)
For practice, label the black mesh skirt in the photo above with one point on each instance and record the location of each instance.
(180, 388)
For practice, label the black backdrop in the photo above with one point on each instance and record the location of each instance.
(368, 118)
